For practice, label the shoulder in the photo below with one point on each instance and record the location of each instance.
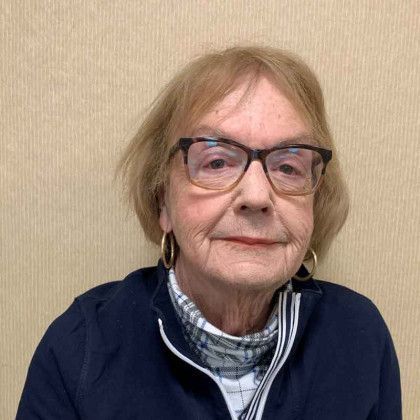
(351, 313)
(139, 285)
(344, 299)
(85, 334)
(355, 335)
(89, 318)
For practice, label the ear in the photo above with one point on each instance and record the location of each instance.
(164, 215)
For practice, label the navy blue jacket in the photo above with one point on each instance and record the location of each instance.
(107, 358)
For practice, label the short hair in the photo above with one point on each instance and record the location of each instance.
(198, 87)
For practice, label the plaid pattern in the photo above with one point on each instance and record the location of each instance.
(239, 363)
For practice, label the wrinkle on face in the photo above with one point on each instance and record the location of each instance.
(224, 271)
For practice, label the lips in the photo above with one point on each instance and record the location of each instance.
(250, 240)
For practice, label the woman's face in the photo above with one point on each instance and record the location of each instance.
(249, 237)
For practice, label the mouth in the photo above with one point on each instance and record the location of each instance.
(245, 240)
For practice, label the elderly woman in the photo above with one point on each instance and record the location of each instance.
(234, 173)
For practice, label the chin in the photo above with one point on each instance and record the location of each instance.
(257, 275)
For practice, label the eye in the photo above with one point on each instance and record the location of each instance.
(287, 169)
(217, 164)
(218, 160)
(287, 163)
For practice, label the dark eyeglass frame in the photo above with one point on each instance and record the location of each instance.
(184, 143)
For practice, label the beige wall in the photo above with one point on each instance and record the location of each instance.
(77, 75)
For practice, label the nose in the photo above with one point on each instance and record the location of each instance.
(254, 190)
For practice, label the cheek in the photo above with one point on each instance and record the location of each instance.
(190, 220)
(298, 217)
(307, 216)
(193, 212)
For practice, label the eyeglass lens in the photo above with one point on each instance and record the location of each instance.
(217, 165)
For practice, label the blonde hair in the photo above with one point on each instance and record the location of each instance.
(193, 92)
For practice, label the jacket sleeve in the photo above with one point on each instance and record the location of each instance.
(388, 406)
(50, 390)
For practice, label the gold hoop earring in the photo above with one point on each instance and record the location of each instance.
(163, 246)
(311, 274)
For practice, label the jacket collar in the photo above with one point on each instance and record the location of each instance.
(162, 305)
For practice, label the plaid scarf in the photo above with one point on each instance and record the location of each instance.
(239, 363)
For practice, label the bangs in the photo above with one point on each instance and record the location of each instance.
(194, 92)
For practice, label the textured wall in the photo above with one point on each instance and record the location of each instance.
(77, 75)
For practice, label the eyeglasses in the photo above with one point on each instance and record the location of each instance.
(220, 164)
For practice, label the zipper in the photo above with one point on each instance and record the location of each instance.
(266, 390)
(200, 368)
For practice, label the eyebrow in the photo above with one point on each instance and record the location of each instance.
(218, 133)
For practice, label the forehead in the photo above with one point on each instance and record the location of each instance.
(258, 115)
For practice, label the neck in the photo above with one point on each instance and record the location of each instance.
(234, 310)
